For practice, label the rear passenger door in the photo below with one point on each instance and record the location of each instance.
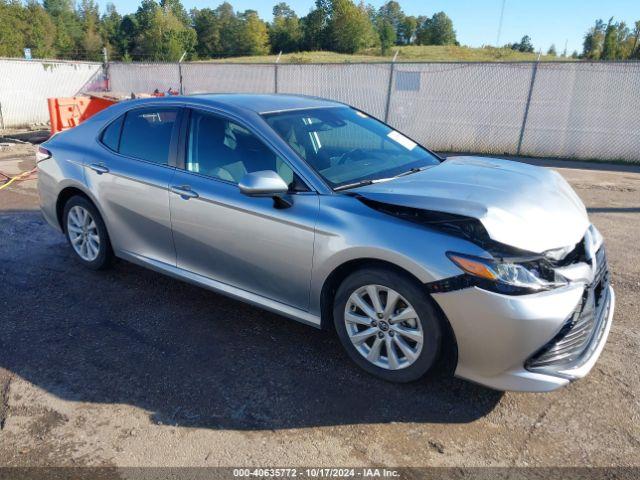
(229, 237)
(131, 179)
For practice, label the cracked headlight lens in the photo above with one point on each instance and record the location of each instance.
(504, 277)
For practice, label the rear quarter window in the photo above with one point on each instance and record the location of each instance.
(111, 135)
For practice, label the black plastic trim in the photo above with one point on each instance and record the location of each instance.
(465, 280)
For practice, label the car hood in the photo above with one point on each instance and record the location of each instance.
(520, 205)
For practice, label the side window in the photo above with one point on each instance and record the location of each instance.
(111, 134)
(223, 149)
(146, 134)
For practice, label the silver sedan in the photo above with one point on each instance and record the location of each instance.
(319, 212)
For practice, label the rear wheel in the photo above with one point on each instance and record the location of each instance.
(387, 324)
(87, 234)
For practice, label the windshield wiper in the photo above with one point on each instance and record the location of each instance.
(410, 171)
(361, 183)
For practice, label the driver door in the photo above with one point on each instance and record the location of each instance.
(229, 237)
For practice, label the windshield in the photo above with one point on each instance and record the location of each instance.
(347, 147)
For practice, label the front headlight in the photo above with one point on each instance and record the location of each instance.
(505, 277)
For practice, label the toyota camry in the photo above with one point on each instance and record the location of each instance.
(317, 211)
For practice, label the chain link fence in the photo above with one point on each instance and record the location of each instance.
(561, 109)
(461, 107)
(143, 77)
(26, 85)
(584, 110)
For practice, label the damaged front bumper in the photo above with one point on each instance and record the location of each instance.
(538, 342)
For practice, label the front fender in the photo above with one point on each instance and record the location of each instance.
(348, 230)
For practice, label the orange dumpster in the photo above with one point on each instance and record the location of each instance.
(66, 113)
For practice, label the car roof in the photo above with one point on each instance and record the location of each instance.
(241, 104)
(262, 103)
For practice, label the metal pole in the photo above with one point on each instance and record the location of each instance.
(105, 67)
(500, 24)
(528, 104)
(180, 72)
(390, 87)
(275, 72)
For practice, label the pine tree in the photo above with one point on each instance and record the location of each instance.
(314, 30)
(387, 36)
(91, 41)
(68, 27)
(207, 30)
(593, 40)
(161, 35)
(635, 50)
(109, 29)
(40, 32)
(390, 15)
(610, 45)
(12, 27)
(285, 34)
(253, 37)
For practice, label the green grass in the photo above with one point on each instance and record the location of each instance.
(412, 53)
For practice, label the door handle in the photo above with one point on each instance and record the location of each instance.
(184, 191)
(99, 169)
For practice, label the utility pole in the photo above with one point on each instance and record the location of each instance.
(500, 23)
(390, 86)
(105, 69)
(534, 72)
(275, 72)
(180, 72)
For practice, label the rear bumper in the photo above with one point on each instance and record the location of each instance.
(48, 195)
(498, 334)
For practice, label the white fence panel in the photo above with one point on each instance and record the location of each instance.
(566, 109)
(460, 106)
(364, 86)
(25, 86)
(585, 110)
(228, 78)
(144, 77)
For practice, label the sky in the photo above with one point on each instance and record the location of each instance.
(476, 21)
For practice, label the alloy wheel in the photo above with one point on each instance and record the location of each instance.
(383, 327)
(83, 233)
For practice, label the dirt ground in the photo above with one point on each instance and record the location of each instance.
(131, 368)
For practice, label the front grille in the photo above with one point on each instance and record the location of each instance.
(582, 330)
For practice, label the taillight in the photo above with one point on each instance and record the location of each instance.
(42, 154)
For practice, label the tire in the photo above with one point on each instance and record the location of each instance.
(400, 367)
(94, 256)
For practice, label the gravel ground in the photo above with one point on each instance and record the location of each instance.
(131, 368)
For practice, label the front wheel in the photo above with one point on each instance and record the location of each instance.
(387, 324)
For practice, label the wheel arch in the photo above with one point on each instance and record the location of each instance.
(449, 353)
(337, 276)
(63, 197)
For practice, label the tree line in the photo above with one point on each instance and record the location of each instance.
(162, 30)
(612, 41)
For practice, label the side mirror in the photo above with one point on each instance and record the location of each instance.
(265, 183)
